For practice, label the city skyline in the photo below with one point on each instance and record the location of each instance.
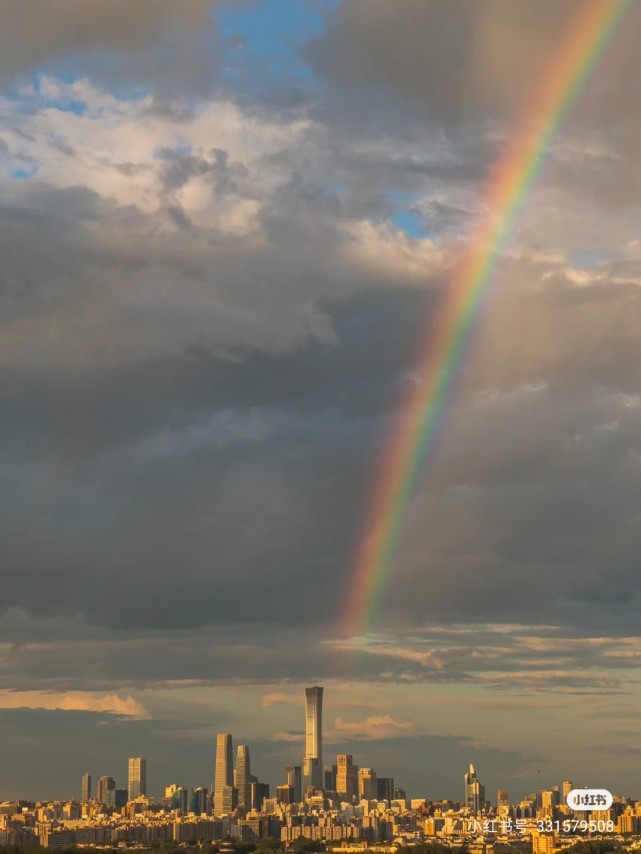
(235, 786)
(318, 366)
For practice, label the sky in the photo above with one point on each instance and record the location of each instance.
(225, 228)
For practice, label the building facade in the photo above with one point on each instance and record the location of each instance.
(224, 772)
(346, 776)
(242, 775)
(136, 777)
(104, 785)
(313, 760)
(293, 778)
(474, 791)
(367, 784)
(85, 787)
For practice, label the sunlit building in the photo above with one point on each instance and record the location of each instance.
(313, 760)
(346, 776)
(136, 777)
(85, 787)
(224, 773)
(474, 791)
(242, 775)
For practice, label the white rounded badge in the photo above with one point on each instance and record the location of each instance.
(586, 800)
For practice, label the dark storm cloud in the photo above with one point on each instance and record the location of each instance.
(455, 57)
(463, 62)
(65, 654)
(250, 470)
(243, 473)
(170, 47)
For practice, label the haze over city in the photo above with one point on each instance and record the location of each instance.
(227, 230)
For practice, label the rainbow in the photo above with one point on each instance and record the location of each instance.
(447, 339)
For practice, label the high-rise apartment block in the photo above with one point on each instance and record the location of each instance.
(259, 791)
(329, 778)
(346, 776)
(313, 760)
(176, 798)
(85, 787)
(104, 785)
(293, 778)
(116, 798)
(136, 777)
(548, 803)
(385, 788)
(503, 803)
(285, 794)
(198, 801)
(224, 773)
(367, 784)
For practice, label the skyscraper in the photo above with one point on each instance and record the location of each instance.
(346, 776)
(224, 774)
(229, 800)
(242, 775)
(136, 777)
(85, 787)
(313, 761)
(293, 778)
(104, 785)
(198, 802)
(503, 803)
(385, 788)
(474, 791)
(329, 778)
(367, 784)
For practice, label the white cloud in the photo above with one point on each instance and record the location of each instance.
(370, 729)
(74, 701)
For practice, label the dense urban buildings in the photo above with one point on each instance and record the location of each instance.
(354, 809)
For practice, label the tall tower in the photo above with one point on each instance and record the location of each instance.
(85, 787)
(474, 791)
(242, 775)
(313, 761)
(224, 775)
(137, 777)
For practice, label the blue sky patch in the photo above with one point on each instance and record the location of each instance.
(21, 173)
